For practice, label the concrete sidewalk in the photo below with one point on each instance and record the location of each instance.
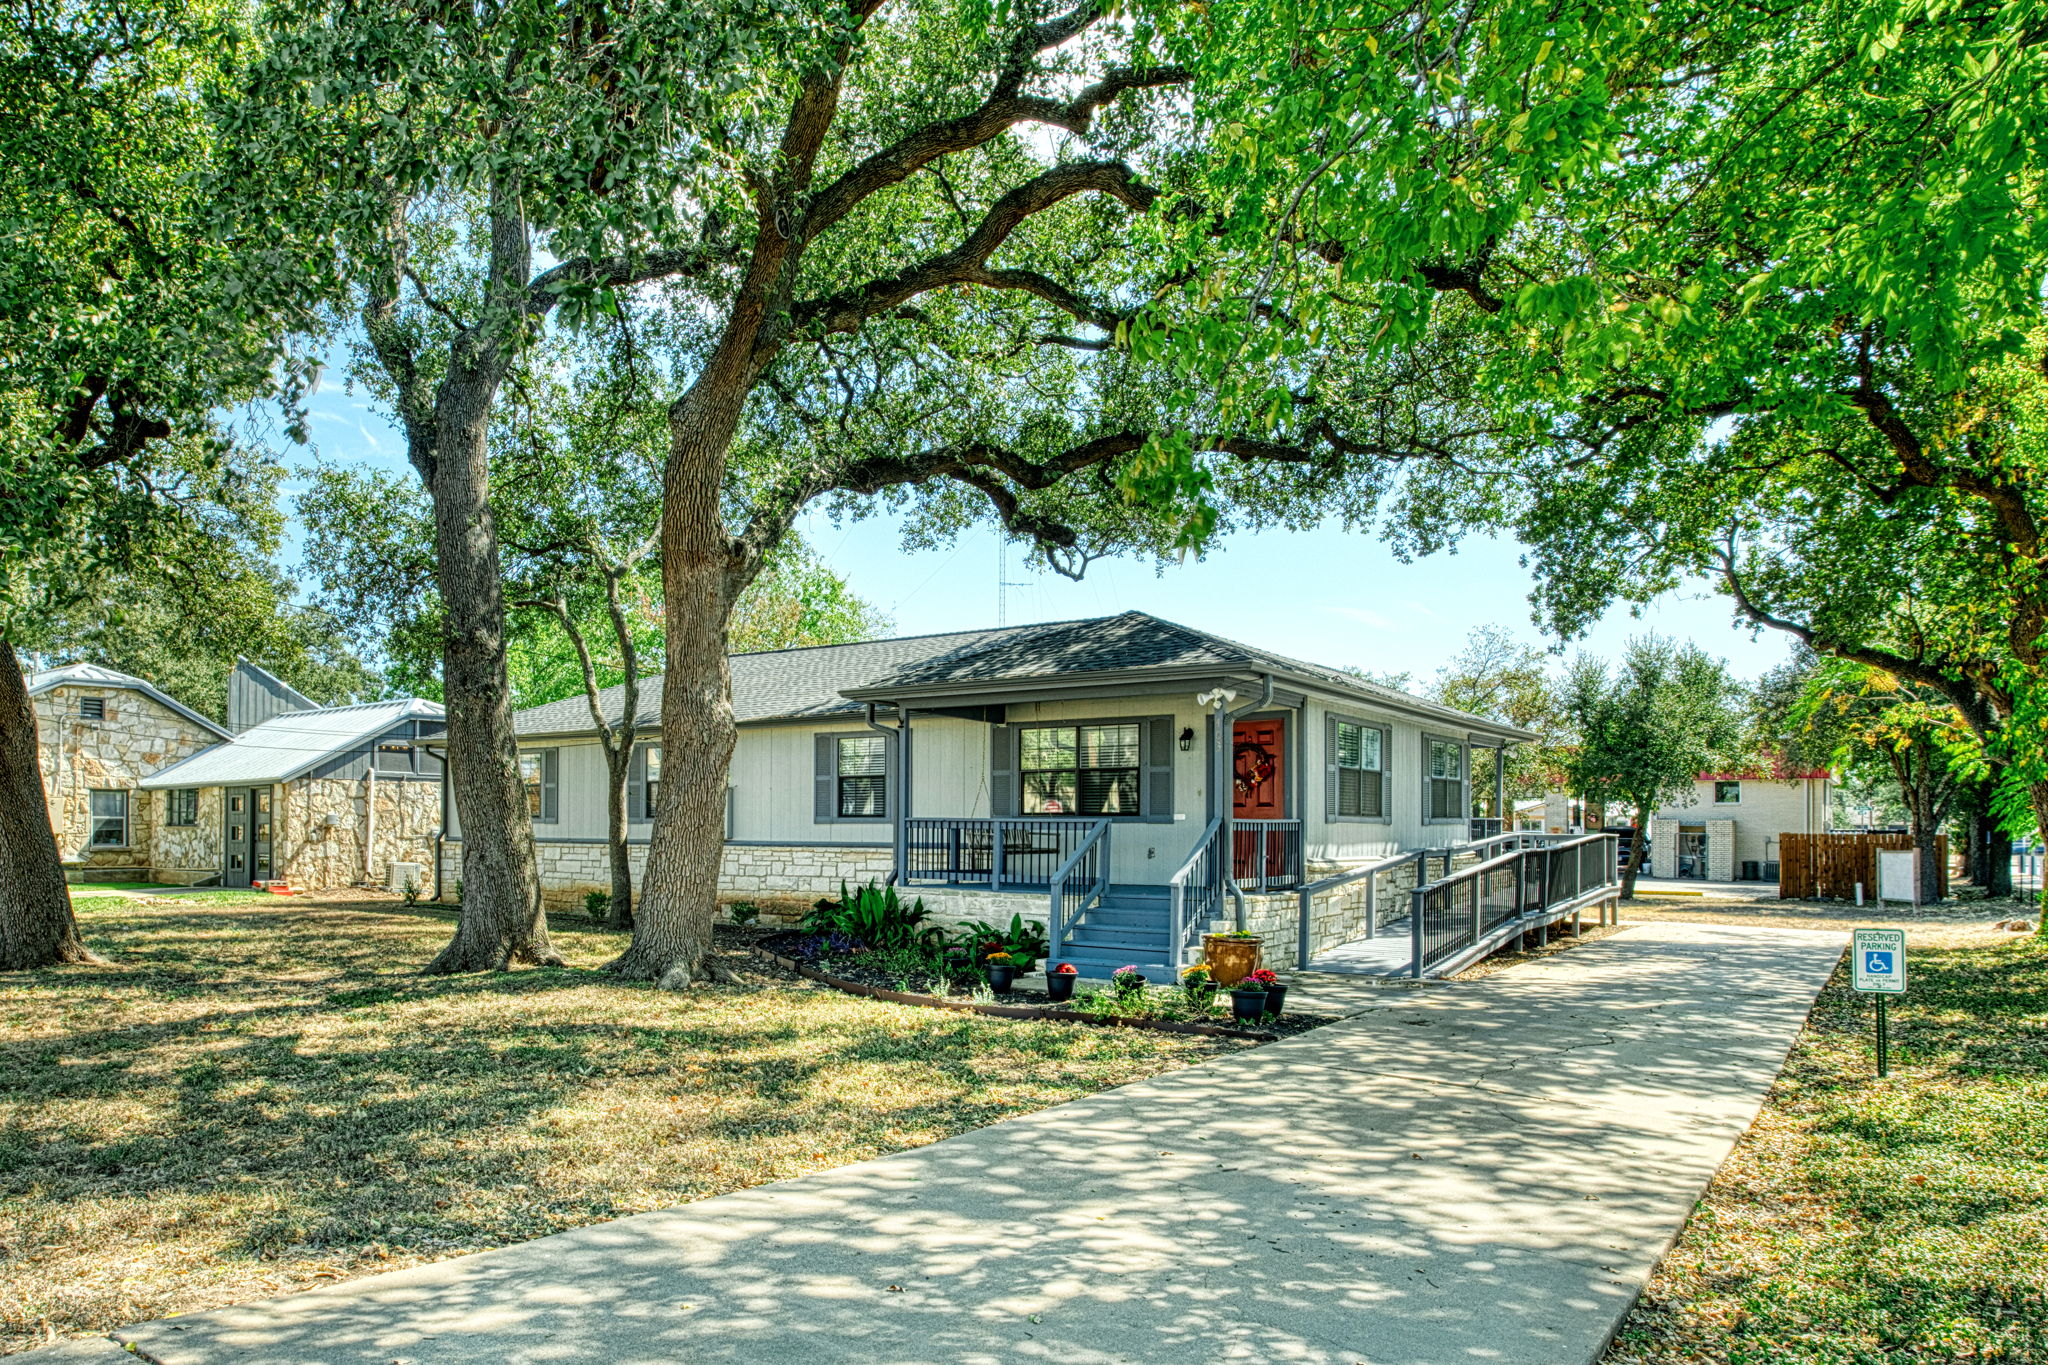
(1481, 1172)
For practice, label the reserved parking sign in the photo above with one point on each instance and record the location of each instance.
(1879, 960)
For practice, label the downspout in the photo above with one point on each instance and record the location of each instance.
(441, 834)
(1227, 793)
(900, 783)
(370, 820)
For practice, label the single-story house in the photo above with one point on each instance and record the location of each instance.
(1727, 827)
(141, 786)
(1116, 758)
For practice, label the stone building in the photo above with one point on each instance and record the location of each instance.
(141, 787)
(99, 733)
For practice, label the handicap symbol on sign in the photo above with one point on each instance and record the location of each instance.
(1877, 963)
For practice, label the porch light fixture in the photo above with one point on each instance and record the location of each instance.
(1187, 738)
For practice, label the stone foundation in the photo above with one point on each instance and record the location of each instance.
(781, 879)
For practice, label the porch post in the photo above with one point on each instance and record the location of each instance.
(1500, 786)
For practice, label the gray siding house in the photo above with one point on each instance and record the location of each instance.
(1116, 766)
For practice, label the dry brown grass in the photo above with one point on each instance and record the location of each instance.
(256, 1099)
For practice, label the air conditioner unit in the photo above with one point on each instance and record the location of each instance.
(401, 873)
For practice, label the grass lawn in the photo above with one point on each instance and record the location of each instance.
(1864, 1221)
(258, 1098)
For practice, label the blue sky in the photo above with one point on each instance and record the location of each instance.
(1336, 597)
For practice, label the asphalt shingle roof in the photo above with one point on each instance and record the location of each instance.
(799, 683)
(774, 684)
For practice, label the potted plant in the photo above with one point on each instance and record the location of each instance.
(1198, 984)
(1276, 989)
(1002, 972)
(1127, 982)
(1247, 1001)
(1231, 957)
(1059, 982)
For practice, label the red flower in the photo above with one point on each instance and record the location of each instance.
(1264, 976)
(1066, 969)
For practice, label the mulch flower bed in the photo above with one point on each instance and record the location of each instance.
(842, 965)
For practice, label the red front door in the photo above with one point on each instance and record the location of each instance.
(1258, 784)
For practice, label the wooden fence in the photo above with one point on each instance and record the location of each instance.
(1832, 864)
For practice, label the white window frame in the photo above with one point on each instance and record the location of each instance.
(1715, 790)
(94, 818)
(1335, 813)
(840, 777)
(1430, 779)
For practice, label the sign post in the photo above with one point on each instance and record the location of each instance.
(1878, 966)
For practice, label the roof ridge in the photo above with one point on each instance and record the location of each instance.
(893, 639)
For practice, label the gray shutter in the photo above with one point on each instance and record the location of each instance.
(1002, 771)
(730, 792)
(1158, 760)
(825, 778)
(550, 785)
(636, 786)
(1329, 767)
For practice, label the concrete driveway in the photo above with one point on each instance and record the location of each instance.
(1483, 1171)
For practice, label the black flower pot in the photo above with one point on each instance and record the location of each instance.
(1001, 979)
(1245, 1005)
(1059, 985)
(1275, 997)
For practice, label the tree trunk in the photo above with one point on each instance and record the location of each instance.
(37, 928)
(2037, 796)
(1996, 861)
(619, 765)
(700, 577)
(501, 920)
(1638, 846)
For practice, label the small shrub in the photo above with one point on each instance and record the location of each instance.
(743, 912)
(458, 890)
(874, 914)
(1128, 981)
(597, 904)
(410, 891)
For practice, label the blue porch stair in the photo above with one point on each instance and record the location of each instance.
(1129, 928)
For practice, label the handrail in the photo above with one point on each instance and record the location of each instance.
(1177, 890)
(1466, 910)
(1097, 843)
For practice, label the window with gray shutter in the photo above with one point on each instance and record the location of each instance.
(851, 776)
(539, 772)
(1355, 760)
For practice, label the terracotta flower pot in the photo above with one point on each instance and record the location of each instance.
(1230, 960)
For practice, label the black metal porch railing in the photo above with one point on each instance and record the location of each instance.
(1021, 853)
(1471, 907)
(1266, 854)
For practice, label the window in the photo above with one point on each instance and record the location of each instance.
(1445, 792)
(651, 786)
(109, 819)
(182, 807)
(1358, 755)
(537, 772)
(863, 777)
(394, 758)
(1727, 793)
(1079, 769)
(92, 708)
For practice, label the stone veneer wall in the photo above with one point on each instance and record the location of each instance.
(312, 853)
(184, 854)
(783, 879)
(137, 738)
